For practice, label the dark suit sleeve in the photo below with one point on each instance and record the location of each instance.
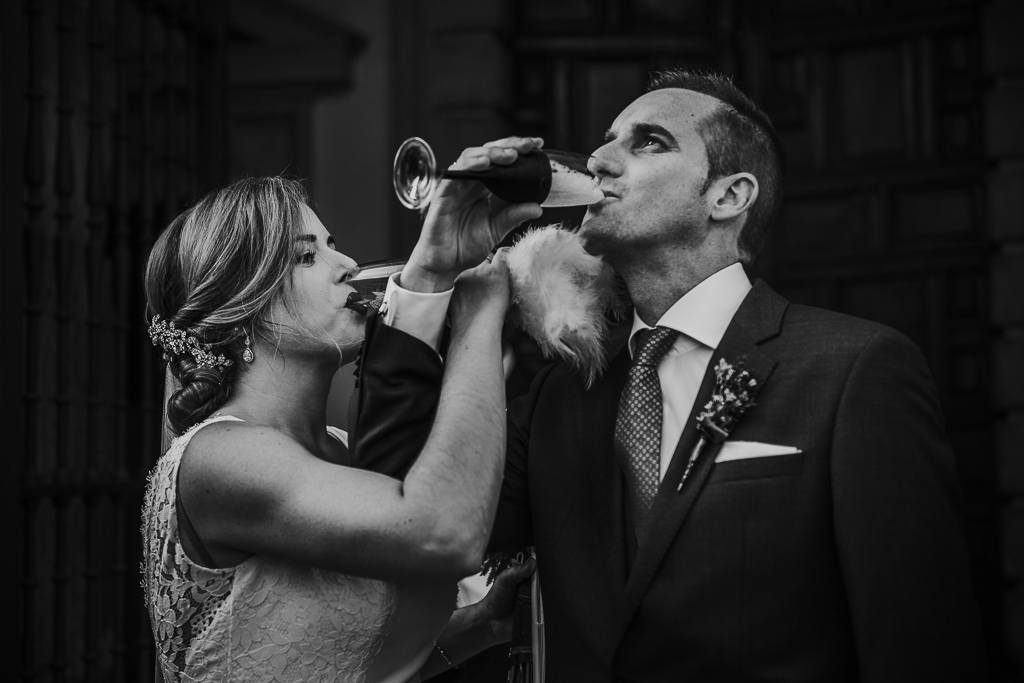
(513, 525)
(391, 413)
(898, 523)
(398, 386)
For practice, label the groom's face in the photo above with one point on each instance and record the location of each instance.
(651, 169)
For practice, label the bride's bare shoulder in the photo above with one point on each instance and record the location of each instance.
(235, 448)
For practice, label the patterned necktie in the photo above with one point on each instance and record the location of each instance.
(638, 426)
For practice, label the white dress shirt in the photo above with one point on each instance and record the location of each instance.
(701, 316)
(420, 314)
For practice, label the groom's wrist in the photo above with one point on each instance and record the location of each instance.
(416, 277)
(424, 272)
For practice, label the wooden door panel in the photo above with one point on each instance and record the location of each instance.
(568, 16)
(935, 214)
(817, 226)
(872, 127)
(667, 15)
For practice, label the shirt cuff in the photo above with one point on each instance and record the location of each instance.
(420, 314)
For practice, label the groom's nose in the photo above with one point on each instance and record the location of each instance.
(602, 162)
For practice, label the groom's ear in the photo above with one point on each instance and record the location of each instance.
(731, 196)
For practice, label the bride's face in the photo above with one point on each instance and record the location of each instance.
(315, 318)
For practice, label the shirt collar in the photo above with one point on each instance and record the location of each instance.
(704, 313)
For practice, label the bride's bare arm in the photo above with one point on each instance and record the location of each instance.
(253, 489)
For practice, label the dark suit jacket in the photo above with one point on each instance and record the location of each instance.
(845, 562)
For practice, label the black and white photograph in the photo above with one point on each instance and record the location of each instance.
(512, 341)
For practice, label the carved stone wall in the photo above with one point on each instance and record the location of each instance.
(282, 58)
(452, 82)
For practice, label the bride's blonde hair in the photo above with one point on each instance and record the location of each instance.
(215, 271)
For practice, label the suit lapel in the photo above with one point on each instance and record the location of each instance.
(758, 318)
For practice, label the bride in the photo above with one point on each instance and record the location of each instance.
(266, 557)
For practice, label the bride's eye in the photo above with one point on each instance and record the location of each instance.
(307, 258)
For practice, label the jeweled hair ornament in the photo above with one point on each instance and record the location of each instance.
(177, 342)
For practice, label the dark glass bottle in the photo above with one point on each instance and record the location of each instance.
(548, 177)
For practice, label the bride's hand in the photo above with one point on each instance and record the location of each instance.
(500, 602)
(483, 290)
(462, 223)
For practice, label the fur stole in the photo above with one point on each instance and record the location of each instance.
(564, 298)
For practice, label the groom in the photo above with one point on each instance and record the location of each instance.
(812, 536)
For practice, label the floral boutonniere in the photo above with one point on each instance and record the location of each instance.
(497, 562)
(734, 394)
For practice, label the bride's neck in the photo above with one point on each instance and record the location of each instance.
(287, 394)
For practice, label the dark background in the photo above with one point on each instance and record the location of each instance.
(903, 121)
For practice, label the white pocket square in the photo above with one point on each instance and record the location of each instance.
(742, 450)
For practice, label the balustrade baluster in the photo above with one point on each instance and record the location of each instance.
(97, 544)
(191, 61)
(168, 204)
(64, 183)
(34, 245)
(123, 513)
(148, 437)
(109, 141)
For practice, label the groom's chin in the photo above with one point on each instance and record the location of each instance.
(595, 240)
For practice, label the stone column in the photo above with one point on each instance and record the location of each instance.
(453, 82)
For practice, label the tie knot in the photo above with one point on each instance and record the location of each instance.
(652, 344)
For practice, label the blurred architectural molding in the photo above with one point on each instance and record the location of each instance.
(282, 58)
(280, 45)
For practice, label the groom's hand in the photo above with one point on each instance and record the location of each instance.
(500, 602)
(462, 223)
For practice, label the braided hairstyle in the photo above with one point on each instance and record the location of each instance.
(215, 271)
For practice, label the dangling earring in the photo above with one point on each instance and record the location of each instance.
(247, 354)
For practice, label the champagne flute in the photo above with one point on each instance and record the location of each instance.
(370, 283)
(548, 177)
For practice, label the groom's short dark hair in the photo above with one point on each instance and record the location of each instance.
(738, 136)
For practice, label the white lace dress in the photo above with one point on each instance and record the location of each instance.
(269, 619)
